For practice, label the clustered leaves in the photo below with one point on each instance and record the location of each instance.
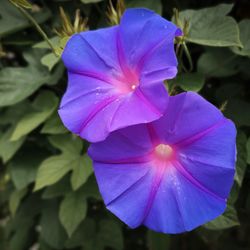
(48, 195)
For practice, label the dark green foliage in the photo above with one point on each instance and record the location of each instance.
(49, 199)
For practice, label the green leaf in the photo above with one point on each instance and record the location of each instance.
(90, 189)
(84, 233)
(211, 27)
(20, 239)
(109, 235)
(17, 83)
(9, 118)
(150, 4)
(248, 151)
(190, 81)
(218, 63)
(19, 236)
(90, 1)
(15, 199)
(23, 167)
(244, 37)
(11, 20)
(41, 109)
(241, 163)
(26, 213)
(52, 231)
(72, 211)
(227, 220)
(54, 168)
(238, 111)
(68, 144)
(50, 60)
(58, 189)
(8, 148)
(81, 172)
(234, 193)
(44, 45)
(14, 113)
(53, 125)
(158, 241)
(44, 246)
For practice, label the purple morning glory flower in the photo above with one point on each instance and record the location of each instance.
(116, 74)
(173, 174)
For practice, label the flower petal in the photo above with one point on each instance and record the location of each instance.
(181, 206)
(179, 193)
(91, 105)
(84, 97)
(79, 57)
(103, 42)
(120, 184)
(98, 99)
(187, 115)
(211, 158)
(142, 106)
(148, 42)
(121, 168)
(129, 143)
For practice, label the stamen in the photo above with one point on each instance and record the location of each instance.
(133, 87)
(164, 151)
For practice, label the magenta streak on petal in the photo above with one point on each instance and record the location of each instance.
(94, 75)
(173, 127)
(129, 141)
(186, 142)
(179, 207)
(128, 189)
(77, 97)
(154, 187)
(202, 162)
(130, 160)
(96, 110)
(159, 71)
(121, 57)
(139, 93)
(119, 80)
(195, 182)
(140, 34)
(155, 140)
(93, 49)
(114, 114)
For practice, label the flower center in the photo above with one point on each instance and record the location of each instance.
(164, 151)
(133, 86)
(127, 83)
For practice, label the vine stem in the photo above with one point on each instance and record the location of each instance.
(186, 50)
(38, 27)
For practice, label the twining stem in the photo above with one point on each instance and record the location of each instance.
(180, 54)
(38, 27)
(190, 61)
(180, 48)
(177, 49)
